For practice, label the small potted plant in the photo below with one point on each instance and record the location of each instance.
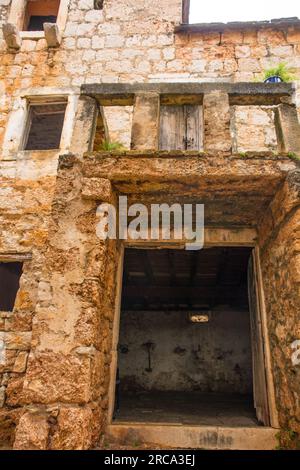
(280, 73)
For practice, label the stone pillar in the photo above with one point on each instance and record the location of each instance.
(52, 34)
(11, 36)
(85, 125)
(278, 236)
(288, 128)
(216, 111)
(67, 378)
(145, 123)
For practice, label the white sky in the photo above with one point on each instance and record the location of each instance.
(207, 11)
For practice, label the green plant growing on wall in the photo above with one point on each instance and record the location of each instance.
(282, 71)
(111, 146)
(293, 156)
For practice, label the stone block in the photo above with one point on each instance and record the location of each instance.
(145, 124)
(52, 34)
(216, 110)
(73, 430)
(18, 340)
(9, 419)
(97, 189)
(288, 128)
(14, 390)
(32, 432)
(85, 121)
(20, 362)
(55, 377)
(11, 36)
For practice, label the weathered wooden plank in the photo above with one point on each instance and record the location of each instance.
(172, 128)
(258, 358)
(194, 127)
(181, 127)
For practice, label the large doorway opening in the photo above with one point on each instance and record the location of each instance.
(187, 350)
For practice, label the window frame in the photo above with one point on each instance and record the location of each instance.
(16, 17)
(28, 122)
(12, 148)
(185, 11)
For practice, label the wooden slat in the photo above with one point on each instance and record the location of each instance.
(172, 128)
(193, 127)
(181, 127)
(258, 359)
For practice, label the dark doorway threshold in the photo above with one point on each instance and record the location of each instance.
(187, 408)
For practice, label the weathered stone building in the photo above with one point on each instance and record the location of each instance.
(76, 74)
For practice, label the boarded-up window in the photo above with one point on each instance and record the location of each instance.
(10, 274)
(181, 127)
(39, 12)
(44, 126)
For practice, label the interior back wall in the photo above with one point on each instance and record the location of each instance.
(213, 356)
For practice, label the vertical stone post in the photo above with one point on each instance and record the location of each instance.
(216, 111)
(67, 378)
(288, 128)
(85, 125)
(145, 124)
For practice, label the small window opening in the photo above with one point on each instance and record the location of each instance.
(101, 133)
(113, 128)
(98, 4)
(44, 126)
(39, 12)
(10, 274)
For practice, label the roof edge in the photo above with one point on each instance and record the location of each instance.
(279, 23)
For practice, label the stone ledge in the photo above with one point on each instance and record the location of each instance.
(265, 156)
(195, 437)
(189, 174)
(239, 93)
(281, 23)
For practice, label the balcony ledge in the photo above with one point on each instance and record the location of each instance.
(240, 93)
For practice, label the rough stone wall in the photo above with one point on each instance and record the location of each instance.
(253, 129)
(119, 122)
(279, 238)
(68, 366)
(134, 41)
(26, 193)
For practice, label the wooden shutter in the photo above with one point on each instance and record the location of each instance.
(172, 128)
(258, 353)
(180, 127)
(193, 127)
